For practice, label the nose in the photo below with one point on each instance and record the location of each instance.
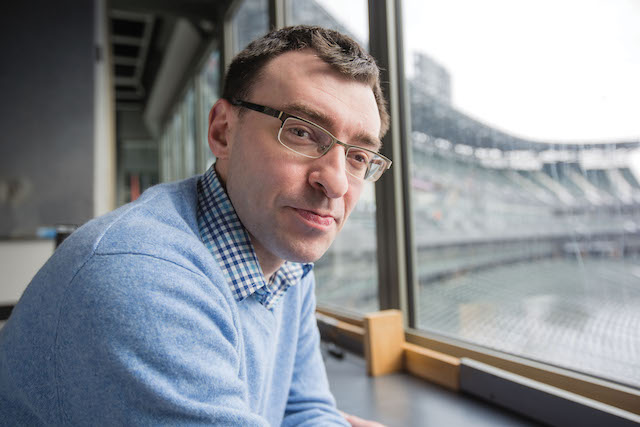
(329, 173)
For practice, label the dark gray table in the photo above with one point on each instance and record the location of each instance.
(399, 400)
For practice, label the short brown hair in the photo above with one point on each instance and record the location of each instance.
(338, 50)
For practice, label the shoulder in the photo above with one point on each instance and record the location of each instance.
(142, 324)
(153, 238)
(143, 251)
(145, 264)
(166, 208)
(162, 223)
(141, 289)
(145, 254)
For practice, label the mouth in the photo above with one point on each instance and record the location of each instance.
(316, 219)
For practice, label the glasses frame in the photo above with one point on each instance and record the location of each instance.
(282, 116)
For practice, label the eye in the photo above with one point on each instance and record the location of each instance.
(299, 132)
(358, 157)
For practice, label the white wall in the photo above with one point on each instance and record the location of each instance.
(20, 260)
(104, 154)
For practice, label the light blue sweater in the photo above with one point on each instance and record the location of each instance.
(131, 323)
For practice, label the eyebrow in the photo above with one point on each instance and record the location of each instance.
(323, 120)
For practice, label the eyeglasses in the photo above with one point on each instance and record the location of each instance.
(310, 140)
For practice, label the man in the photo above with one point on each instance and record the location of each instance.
(195, 304)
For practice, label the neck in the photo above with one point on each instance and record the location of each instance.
(269, 263)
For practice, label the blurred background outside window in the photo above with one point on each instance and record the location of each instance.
(183, 142)
(249, 22)
(525, 177)
(208, 84)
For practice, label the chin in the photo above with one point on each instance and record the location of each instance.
(304, 254)
(304, 257)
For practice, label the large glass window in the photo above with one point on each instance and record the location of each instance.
(165, 165)
(184, 148)
(348, 17)
(525, 177)
(178, 141)
(189, 133)
(347, 275)
(250, 21)
(178, 144)
(208, 84)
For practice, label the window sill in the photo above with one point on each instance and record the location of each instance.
(389, 348)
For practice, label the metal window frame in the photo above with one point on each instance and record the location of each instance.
(202, 127)
(279, 13)
(396, 284)
(602, 390)
(227, 34)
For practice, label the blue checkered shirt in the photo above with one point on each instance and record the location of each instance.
(227, 239)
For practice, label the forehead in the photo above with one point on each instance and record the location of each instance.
(302, 78)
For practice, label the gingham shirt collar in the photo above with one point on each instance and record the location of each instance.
(224, 235)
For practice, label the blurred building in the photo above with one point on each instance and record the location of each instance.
(431, 78)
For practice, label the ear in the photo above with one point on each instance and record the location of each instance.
(221, 120)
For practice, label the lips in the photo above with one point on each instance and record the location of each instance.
(316, 218)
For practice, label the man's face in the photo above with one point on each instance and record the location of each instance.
(292, 206)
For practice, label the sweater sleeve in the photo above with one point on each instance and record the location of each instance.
(310, 401)
(144, 341)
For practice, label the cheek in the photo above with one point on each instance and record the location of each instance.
(283, 169)
(268, 174)
(352, 197)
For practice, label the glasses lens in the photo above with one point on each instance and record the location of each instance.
(377, 166)
(304, 138)
(358, 161)
(311, 141)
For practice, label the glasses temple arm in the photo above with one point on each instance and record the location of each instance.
(259, 108)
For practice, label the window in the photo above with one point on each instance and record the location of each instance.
(349, 18)
(525, 178)
(208, 83)
(177, 147)
(169, 144)
(347, 275)
(184, 147)
(250, 21)
(189, 133)
(178, 141)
